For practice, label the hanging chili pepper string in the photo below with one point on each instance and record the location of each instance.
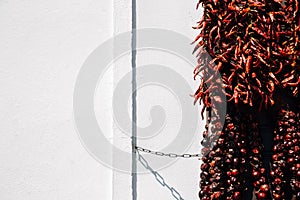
(258, 172)
(262, 59)
(255, 48)
(286, 154)
(235, 155)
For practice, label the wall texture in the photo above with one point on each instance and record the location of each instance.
(44, 44)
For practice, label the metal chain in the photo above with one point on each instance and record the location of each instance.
(159, 178)
(170, 155)
(174, 155)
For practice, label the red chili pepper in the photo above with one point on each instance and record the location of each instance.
(273, 77)
(260, 32)
(287, 79)
(248, 64)
(294, 84)
(279, 69)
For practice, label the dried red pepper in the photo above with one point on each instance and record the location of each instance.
(254, 46)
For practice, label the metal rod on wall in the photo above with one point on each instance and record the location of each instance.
(134, 106)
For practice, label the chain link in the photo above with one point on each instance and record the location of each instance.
(174, 155)
(159, 178)
(170, 155)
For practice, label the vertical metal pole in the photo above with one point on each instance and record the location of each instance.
(134, 106)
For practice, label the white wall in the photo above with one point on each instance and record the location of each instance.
(44, 44)
(183, 175)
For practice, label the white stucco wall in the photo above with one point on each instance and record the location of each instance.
(44, 44)
(183, 175)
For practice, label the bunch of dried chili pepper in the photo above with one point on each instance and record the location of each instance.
(222, 165)
(236, 153)
(254, 47)
(256, 169)
(285, 172)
